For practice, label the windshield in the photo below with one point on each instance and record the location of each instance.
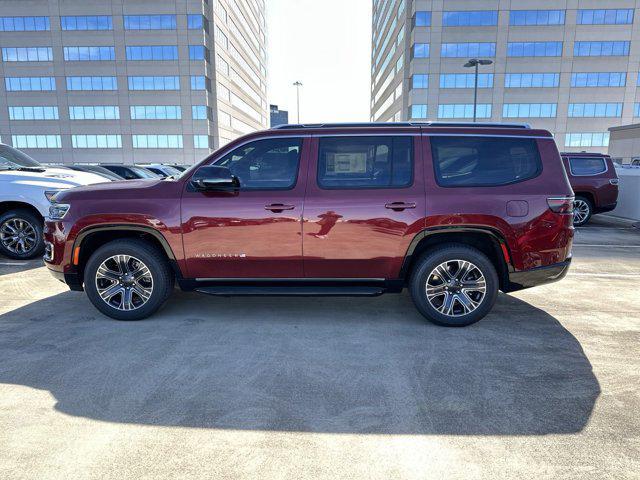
(144, 173)
(10, 158)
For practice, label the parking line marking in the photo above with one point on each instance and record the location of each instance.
(611, 245)
(14, 264)
(610, 275)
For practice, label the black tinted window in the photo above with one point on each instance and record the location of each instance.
(478, 161)
(265, 164)
(587, 166)
(365, 162)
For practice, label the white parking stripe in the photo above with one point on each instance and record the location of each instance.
(609, 275)
(610, 245)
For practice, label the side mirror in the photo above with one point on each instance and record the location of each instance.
(213, 178)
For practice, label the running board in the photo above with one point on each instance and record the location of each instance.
(296, 291)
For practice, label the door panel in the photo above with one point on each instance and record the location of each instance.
(361, 231)
(253, 233)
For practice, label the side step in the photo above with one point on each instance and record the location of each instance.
(297, 291)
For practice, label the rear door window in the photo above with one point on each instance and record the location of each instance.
(484, 161)
(365, 162)
(582, 166)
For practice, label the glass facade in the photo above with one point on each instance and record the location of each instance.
(33, 113)
(605, 17)
(24, 24)
(84, 22)
(470, 18)
(464, 110)
(96, 141)
(470, 50)
(152, 52)
(154, 83)
(89, 54)
(27, 54)
(589, 139)
(595, 110)
(157, 141)
(94, 112)
(30, 84)
(36, 141)
(600, 49)
(156, 112)
(92, 83)
(534, 49)
(465, 80)
(536, 17)
(149, 22)
(599, 79)
(531, 80)
(529, 110)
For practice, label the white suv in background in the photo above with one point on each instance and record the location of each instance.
(26, 188)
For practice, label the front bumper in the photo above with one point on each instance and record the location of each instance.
(537, 276)
(72, 279)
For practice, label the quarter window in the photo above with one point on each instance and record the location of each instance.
(587, 166)
(365, 162)
(484, 162)
(270, 164)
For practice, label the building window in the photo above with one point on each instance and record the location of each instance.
(92, 83)
(201, 141)
(199, 112)
(536, 17)
(601, 49)
(197, 52)
(157, 141)
(465, 80)
(154, 83)
(221, 65)
(529, 110)
(420, 50)
(479, 18)
(418, 111)
(531, 80)
(33, 113)
(534, 49)
(156, 112)
(223, 93)
(636, 109)
(220, 37)
(599, 79)
(24, 24)
(595, 110)
(195, 22)
(605, 17)
(102, 22)
(587, 139)
(27, 54)
(30, 84)
(422, 19)
(461, 50)
(36, 141)
(464, 110)
(96, 141)
(152, 52)
(88, 54)
(149, 22)
(198, 82)
(420, 81)
(94, 112)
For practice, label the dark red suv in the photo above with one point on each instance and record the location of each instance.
(594, 181)
(454, 212)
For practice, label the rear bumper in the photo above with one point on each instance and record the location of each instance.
(537, 276)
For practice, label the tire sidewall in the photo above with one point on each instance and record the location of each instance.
(160, 273)
(38, 226)
(590, 205)
(430, 261)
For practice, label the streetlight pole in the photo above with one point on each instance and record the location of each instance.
(298, 84)
(475, 62)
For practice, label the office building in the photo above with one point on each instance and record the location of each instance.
(278, 117)
(567, 66)
(130, 81)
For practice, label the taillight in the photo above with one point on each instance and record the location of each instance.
(562, 205)
(614, 181)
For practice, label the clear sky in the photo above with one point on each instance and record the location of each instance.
(325, 44)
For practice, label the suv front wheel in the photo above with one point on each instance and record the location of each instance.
(454, 286)
(128, 279)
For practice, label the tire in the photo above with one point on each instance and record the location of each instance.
(30, 225)
(454, 256)
(155, 283)
(582, 211)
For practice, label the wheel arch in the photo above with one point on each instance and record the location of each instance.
(8, 205)
(487, 240)
(591, 196)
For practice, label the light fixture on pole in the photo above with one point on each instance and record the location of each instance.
(298, 84)
(474, 62)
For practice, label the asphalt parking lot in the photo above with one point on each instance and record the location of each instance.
(547, 386)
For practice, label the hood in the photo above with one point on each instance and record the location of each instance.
(108, 190)
(51, 178)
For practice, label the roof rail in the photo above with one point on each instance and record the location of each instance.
(290, 126)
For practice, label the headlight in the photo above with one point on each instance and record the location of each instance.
(50, 194)
(57, 211)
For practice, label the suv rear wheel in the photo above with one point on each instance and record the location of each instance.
(128, 279)
(21, 234)
(582, 211)
(454, 286)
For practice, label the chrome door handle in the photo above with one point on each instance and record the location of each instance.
(279, 207)
(399, 206)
